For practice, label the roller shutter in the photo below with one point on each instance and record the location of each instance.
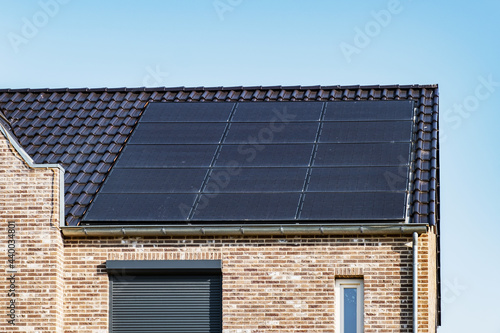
(165, 303)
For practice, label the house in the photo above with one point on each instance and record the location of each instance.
(226, 209)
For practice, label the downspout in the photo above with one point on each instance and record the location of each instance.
(415, 282)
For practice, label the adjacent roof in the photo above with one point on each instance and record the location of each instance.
(85, 130)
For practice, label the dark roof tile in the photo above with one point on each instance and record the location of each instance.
(97, 178)
(82, 158)
(67, 159)
(37, 140)
(111, 130)
(103, 168)
(59, 149)
(89, 167)
(75, 212)
(109, 157)
(73, 168)
(76, 188)
(106, 139)
(44, 149)
(70, 198)
(119, 139)
(97, 155)
(129, 122)
(75, 105)
(18, 97)
(100, 105)
(84, 199)
(36, 106)
(91, 189)
(82, 177)
(87, 148)
(31, 131)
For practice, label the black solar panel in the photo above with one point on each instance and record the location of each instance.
(254, 206)
(277, 112)
(366, 131)
(353, 206)
(159, 156)
(140, 207)
(262, 162)
(358, 179)
(180, 112)
(367, 110)
(357, 154)
(265, 133)
(249, 180)
(297, 155)
(168, 133)
(154, 180)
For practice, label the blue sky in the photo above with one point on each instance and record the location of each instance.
(71, 43)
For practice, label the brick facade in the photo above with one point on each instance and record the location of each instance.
(270, 284)
(29, 200)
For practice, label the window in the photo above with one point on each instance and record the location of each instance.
(165, 296)
(349, 305)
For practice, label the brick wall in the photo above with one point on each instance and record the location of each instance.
(427, 281)
(29, 202)
(270, 284)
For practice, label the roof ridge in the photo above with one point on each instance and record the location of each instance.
(212, 88)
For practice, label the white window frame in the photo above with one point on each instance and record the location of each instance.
(340, 285)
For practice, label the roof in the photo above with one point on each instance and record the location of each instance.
(85, 130)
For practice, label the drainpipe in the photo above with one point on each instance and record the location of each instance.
(415, 282)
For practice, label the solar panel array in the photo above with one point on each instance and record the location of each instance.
(262, 162)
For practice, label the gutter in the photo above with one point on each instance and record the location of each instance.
(244, 230)
(34, 165)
